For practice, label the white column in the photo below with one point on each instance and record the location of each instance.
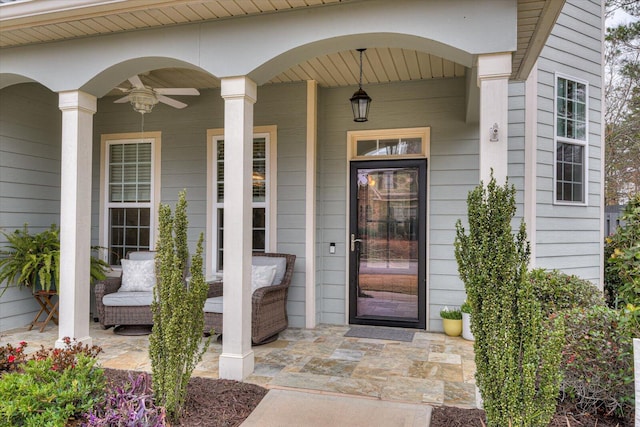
(75, 215)
(493, 80)
(237, 359)
(636, 368)
(310, 205)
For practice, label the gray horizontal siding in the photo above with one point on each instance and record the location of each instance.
(453, 171)
(30, 129)
(184, 162)
(568, 237)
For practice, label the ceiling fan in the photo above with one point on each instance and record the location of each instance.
(143, 98)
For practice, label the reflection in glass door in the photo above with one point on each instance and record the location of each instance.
(387, 243)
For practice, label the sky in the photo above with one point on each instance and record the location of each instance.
(620, 17)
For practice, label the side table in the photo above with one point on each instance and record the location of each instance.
(47, 308)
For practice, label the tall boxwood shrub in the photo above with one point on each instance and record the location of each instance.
(176, 345)
(517, 354)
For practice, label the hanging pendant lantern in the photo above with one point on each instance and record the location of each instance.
(360, 101)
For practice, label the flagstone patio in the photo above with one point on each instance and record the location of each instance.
(433, 368)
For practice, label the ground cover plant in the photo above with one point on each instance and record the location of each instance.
(72, 377)
(127, 402)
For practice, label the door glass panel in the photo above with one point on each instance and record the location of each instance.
(386, 243)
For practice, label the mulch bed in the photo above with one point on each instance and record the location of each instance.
(448, 416)
(226, 403)
(210, 402)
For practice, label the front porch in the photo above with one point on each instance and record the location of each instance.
(432, 369)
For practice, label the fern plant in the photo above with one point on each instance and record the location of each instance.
(33, 260)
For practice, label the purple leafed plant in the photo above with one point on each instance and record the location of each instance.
(128, 405)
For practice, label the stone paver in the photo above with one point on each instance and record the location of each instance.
(433, 368)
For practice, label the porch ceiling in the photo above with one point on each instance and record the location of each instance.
(27, 22)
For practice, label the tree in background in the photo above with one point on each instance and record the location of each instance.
(622, 99)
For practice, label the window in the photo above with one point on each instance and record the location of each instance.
(388, 144)
(263, 193)
(571, 141)
(127, 195)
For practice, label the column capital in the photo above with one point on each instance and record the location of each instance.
(75, 99)
(494, 66)
(238, 87)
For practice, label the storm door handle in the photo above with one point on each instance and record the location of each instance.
(353, 242)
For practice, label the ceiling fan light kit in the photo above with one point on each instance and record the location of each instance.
(143, 98)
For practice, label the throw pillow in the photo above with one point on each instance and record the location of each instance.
(138, 276)
(261, 276)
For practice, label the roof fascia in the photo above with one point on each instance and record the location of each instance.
(548, 18)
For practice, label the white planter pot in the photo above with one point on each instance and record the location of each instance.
(466, 327)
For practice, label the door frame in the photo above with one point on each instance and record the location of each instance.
(352, 139)
(421, 164)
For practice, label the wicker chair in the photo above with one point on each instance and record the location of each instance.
(129, 315)
(268, 306)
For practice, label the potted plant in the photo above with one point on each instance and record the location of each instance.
(465, 308)
(451, 321)
(33, 260)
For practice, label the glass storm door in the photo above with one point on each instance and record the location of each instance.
(387, 243)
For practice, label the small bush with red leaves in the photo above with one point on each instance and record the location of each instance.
(12, 357)
(64, 358)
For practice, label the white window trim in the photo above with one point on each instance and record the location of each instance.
(118, 138)
(556, 139)
(213, 135)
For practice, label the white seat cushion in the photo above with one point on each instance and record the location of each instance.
(213, 305)
(127, 299)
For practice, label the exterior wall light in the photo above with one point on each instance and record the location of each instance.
(360, 101)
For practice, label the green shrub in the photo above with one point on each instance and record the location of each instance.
(45, 395)
(517, 351)
(622, 253)
(558, 291)
(175, 345)
(598, 359)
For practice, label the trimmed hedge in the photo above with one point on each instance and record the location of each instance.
(558, 291)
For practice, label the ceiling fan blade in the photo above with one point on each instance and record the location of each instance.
(169, 101)
(177, 91)
(136, 82)
(123, 89)
(121, 100)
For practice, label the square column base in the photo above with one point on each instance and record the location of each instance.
(236, 366)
